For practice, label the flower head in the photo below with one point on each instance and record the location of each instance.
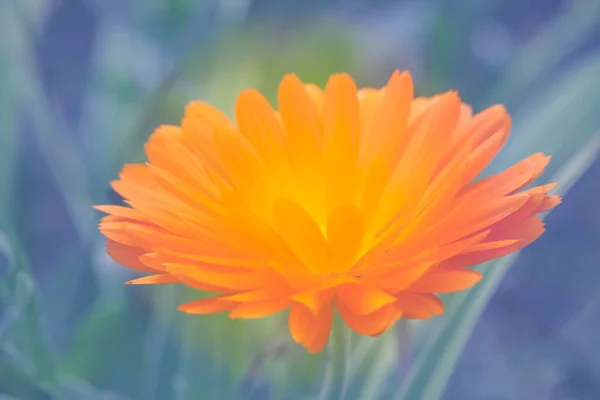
(361, 200)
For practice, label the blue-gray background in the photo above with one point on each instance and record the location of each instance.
(82, 84)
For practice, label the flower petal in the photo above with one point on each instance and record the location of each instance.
(445, 280)
(207, 306)
(300, 118)
(398, 279)
(388, 112)
(301, 234)
(258, 309)
(345, 230)
(309, 330)
(419, 306)
(153, 279)
(213, 277)
(313, 300)
(257, 121)
(491, 127)
(244, 167)
(119, 211)
(341, 140)
(373, 324)
(300, 321)
(127, 256)
(361, 298)
(317, 97)
(514, 236)
(199, 126)
(418, 162)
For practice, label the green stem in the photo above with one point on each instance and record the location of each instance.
(337, 363)
(347, 359)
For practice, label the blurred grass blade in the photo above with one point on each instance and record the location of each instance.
(74, 389)
(383, 361)
(8, 143)
(64, 161)
(26, 330)
(559, 121)
(547, 49)
(430, 375)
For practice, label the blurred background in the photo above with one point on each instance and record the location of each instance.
(83, 84)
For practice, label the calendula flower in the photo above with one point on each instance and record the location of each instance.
(365, 201)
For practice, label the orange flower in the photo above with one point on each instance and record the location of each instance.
(359, 199)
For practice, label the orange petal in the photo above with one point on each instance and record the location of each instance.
(201, 196)
(369, 101)
(257, 122)
(136, 174)
(313, 300)
(119, 211)
(258, 309)
(361, 298)
(302, 125)
(469, 218)
(300, 321)
(114, 228)
(244, 167)
(207, 306)
(402, 255)
(308, 330)
(127, 256)
(445, 280)
(262, 241)
(304, 140)
(516, 235)
(207, 252)
(510, 180)
(548, 203)
(418, 162)
(398, 279)
(267, 293)
(317, 97)
(301, 234)
(341, 139)
(373, 324)
(199, 126)
(153, 279)
(492, 126)
(383, 137)
(345, 230)
(419, 306)
(166, 151)
(447, 182)
(318, 337)
(384, 118)
(237, 281)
